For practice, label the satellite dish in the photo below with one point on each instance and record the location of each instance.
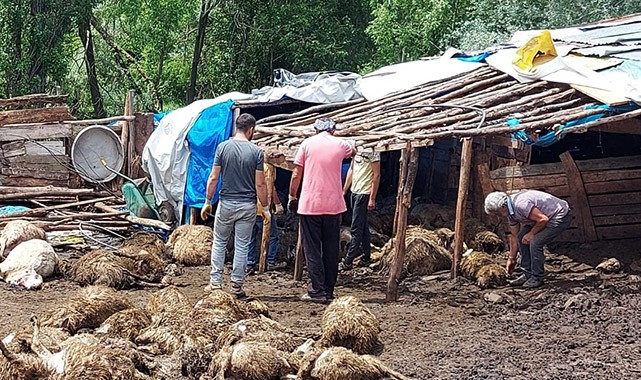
(93, 148)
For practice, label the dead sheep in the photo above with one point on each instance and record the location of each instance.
(339, 363)
(262, 330)
(144, 241)
(21, 366)
(121, 269)
(84, 357)
(16, 232)
(488, 242)
(248, 361)
(481, 267)
(347, 322)
(431, 215)
(125, 324)
(611, 265)
(29, 263)
(89, 308)
(50, 337)
(191, 245)
(168, 300)
(424, 253)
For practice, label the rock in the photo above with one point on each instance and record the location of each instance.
(493, 297)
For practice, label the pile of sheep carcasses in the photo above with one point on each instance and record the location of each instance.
(429, 247)
(98, 333)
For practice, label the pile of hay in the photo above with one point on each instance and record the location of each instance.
(424, 253)
(481, 267)
(191, 245)
(347, 322)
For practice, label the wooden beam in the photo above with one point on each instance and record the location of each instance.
(409, 166)
(37, 115)
(461, 202)
(581, 205)
(134, 219)
(264, 244)
(43, 210)
(12, 192)
(131, 141)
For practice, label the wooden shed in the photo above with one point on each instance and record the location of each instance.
(476, 108)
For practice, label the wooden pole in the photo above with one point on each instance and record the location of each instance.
(408, 167)
(267, 226)
(461, 202)
(43, 210)
(131, 142)
(300, 257)
(580, 197)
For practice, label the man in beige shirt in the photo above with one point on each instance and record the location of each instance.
(363, 176)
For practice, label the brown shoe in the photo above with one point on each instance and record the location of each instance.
(237, 290)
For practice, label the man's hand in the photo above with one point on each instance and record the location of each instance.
(509, 267)
(371, 205)
(205, 210)
(527, 238)
(292, 204)
(267, 216)
(279, 209)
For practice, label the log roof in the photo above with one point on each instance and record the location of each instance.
(410, 116)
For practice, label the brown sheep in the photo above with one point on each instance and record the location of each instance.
(488, 242)
(121, 269)
(191, 245)
(339, 363)
(50, 338)
(248, 361)
(144, 241)
(168, 300)
(16, 232)
(424, 253)
(125, 324)
(349, 323)
(87, 309)
(21, 366)
(262, 330)
(482, 268)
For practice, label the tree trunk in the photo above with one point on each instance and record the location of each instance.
(84, 31)
(203, 19)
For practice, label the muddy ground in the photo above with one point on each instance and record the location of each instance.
(579, 325)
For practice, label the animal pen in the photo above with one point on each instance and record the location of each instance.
(36, 139)
(599, 190)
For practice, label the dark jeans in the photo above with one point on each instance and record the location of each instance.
(360, 229)
(532, 258)
(254, 249)
(321, 243)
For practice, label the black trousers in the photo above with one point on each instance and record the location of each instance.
(360, 229)
(321, 245)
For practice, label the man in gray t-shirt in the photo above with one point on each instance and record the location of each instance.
(239, 164)
(536, 218)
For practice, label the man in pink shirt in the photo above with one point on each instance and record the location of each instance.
(318, 164)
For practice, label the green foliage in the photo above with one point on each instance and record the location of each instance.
(246, 40)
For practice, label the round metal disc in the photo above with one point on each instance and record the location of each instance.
(90, 146)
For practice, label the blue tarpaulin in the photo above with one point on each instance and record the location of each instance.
(213, 126)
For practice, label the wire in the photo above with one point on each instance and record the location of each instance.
(88, 236)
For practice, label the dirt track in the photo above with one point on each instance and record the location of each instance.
(580, 325)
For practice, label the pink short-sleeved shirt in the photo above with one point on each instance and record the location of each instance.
(321, 157)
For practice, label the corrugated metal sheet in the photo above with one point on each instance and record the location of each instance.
(605, 50)
(607, 35)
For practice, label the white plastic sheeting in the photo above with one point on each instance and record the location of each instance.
(166, 154)
(319, 88)
(404, 76)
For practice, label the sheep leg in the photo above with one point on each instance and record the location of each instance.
(386, 371)
(40, 350)
(7, 354)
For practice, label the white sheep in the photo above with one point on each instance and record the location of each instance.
(16, 232)
(28, 263)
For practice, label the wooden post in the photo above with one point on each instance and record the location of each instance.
(193, 215)
(131, 142)
(299, 258)
(264, 244)
(580, 198)
(408, 167)
(124, 135)
(461, 201)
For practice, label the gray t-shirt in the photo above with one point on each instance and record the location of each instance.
(525, 200)
(238, 161)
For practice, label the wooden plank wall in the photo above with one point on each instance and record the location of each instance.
(612, 186)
